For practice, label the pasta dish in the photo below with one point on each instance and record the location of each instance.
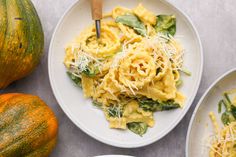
(223, 143)
(132, 70)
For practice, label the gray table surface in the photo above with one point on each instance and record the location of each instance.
(215, 21)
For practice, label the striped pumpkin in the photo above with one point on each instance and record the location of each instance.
(28, 127)
(21, 40)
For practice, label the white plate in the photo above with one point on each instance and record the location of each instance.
(201, 127)
(82, 112)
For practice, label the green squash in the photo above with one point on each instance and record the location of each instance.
(21, 40)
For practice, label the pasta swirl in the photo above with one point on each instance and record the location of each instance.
(136, 70)
(107, 45)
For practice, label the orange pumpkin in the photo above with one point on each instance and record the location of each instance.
(28, 127)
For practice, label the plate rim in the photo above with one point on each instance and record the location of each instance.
(212, 85)
(175, 123)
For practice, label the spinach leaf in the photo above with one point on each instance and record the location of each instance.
(138, 128)
(151, 105)
(115, 111)
(233, 111)
(179, 83)
(230, 114)
(166, 24)
(75, 79)
(227, 117)
(132, 21)
(186, 71)
(97, 104)
(227, 102)
(91, 71)
(220, 106)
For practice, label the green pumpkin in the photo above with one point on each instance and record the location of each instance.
(28, 127)
(21, 40)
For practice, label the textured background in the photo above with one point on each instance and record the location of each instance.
(215, 21)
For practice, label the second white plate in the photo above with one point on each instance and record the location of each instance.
(201, 128)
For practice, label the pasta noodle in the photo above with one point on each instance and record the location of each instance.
(145, 15)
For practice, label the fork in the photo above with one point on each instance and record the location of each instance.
(96, 7)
